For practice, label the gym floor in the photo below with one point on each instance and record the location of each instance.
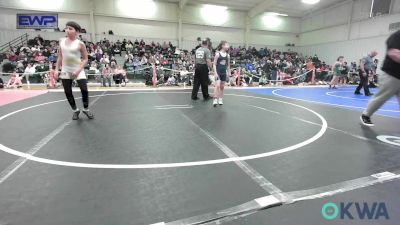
(268, 156)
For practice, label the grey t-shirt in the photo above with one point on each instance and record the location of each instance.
(202, 54)
(368, 62)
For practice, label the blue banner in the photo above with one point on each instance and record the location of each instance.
(37, 21)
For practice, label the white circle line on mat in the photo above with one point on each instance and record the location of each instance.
(320, 133)
(393, 140)
(345, 97)
(274, 92)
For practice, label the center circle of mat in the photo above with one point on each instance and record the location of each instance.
(27, 156)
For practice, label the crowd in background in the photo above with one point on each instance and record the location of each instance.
(116, 62)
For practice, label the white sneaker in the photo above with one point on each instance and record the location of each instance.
(220, 102)
(215, 103)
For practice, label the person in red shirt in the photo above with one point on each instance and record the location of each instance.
(164, 62)
(13, 57)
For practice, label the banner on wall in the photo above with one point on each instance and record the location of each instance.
(37, 21)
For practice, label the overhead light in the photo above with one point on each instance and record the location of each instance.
(214, 7)
(215, 14)
(43, 4)
(138, 8)
(310, 2)
(271, 21)
(276, 14)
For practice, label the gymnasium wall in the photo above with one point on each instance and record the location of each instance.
(162, 25)
(329, 34)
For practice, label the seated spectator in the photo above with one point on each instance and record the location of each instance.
(40, 57)
(1, 83)
(15, 81)
(99, 54)
(263, 80)
(129, 66)
(113, 60)
(164, 62)
(171, 81)
(12, 57)
(39, 40)
(105, 60)
(46, 53)
(129, 47)
(53, 57)
(120, 76)
(116, 50)
(20, 66)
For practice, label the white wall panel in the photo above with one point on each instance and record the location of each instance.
(192, 15)
(324, 35)
(352, 50)
(163, 11)
(266, 38)
(137, 28)
(289, 24)
(217, 34)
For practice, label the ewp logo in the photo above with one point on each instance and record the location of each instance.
(364, 211)
(37, 21)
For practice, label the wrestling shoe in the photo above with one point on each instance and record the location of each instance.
(215, 103)
(220, 102)
(366, 121)
(88, 114)
(75, 116)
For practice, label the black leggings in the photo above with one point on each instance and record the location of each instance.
(67, 84)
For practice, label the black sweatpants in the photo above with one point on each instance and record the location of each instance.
(200, 78)
(363, 83)
(67, 84)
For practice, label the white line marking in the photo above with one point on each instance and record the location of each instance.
(325, 103)
(341, 131)
(318, 135)
(345, 187)
(338, 96)
(176, 107)
(166, 106)
(10, 170)
(267, 200)
(250, 171)
(271, 111)
(393, 140)
(19, 162)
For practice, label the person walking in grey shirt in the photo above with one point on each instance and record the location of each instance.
(389, 81)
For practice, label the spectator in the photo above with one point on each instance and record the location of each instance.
(40, 57)
(129, 47)
(119, 76)
(15, 81)
(46, 53)
(29, 71)
(38, 39)
(1, 83)
(105, 60)
(107, 75)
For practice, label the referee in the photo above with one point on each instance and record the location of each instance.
(203, 63)
(366, 66)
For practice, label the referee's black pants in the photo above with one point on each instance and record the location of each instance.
(363, 83)
(200, 78)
